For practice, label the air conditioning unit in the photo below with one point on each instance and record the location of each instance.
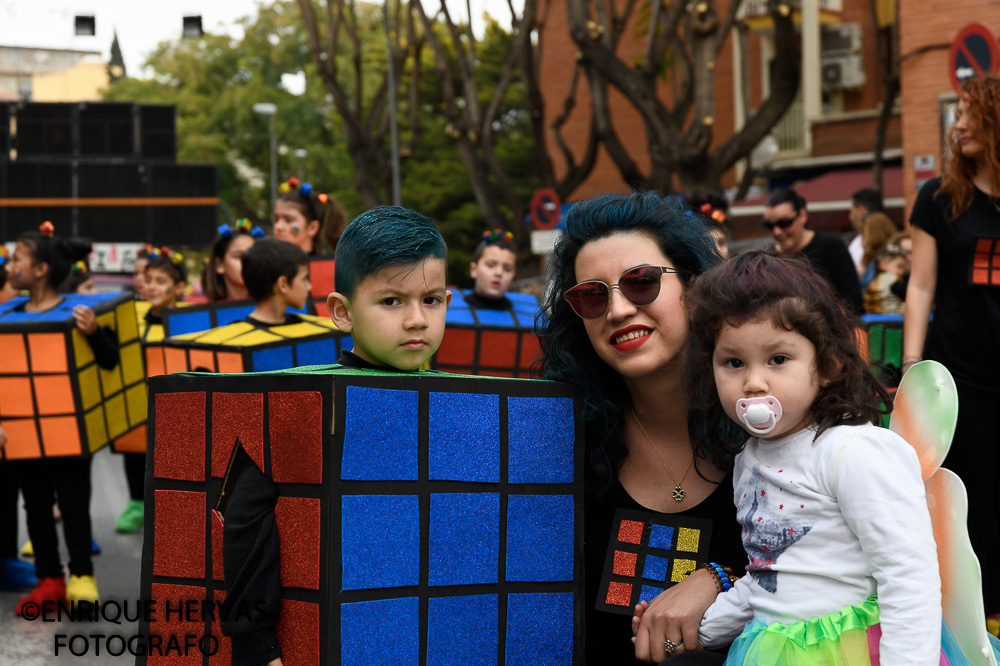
(842, 72)
(840, 39)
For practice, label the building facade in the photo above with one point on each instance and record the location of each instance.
(18, 64)
(927, 30)
(829, 128)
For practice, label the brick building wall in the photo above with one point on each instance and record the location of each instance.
(927, 28)
(852, 133)
(558, 61)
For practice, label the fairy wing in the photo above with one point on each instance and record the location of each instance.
(924, 413)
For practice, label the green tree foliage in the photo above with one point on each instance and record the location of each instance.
(215, 80)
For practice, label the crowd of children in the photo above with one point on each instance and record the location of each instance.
(773, 351)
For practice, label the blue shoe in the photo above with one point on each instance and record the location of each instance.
(16, 574)
(95, 548)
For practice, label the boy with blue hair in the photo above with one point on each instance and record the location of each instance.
(391, 281)
(391, 296)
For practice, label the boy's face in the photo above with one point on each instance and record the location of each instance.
(297, 293)
(160, 289)
(397, 315)
(493, 271)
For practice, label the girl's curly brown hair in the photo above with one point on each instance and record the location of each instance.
(763, 286)
(982, 96)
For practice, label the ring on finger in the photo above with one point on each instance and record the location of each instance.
(670, 646)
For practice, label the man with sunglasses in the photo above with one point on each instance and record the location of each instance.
(785, 217)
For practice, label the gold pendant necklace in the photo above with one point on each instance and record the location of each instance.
(678, 493)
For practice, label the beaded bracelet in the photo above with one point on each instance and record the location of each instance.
(723, 575)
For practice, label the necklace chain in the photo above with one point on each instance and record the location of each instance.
(678, 493)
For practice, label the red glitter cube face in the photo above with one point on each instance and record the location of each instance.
(296, 430)
(237, 416)
(180, 436)
(298, 632)
(624, 563)
(619, 594)
(298, 520)
(630, 531)
(179, 534)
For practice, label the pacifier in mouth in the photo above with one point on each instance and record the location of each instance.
(759, 415)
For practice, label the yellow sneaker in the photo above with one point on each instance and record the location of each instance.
(82, 588)
(993, 624)
(27, 550)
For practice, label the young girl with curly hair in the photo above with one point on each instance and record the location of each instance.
(842, 561)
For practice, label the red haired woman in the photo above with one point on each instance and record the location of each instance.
(956, 269)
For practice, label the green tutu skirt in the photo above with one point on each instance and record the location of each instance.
(847, 638)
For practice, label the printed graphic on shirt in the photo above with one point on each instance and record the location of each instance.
(985, 268)
(766, 533)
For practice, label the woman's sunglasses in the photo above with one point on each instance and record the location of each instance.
(782, 224)
(639, 285)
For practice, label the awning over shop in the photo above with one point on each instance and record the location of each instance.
(828, 200)
(832, 191)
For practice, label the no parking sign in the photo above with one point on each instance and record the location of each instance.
(974, 52)
(544, 209)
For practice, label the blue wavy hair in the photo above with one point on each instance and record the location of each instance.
(384, 236)
(567, 353)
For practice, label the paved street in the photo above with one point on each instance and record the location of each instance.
(117, 571)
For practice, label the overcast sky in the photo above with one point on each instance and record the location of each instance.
(142, 24)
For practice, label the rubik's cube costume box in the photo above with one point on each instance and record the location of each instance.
(423, 518)
(245, 347)
(54, 399)
(481, 341)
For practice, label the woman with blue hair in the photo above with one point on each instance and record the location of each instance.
(614, 322)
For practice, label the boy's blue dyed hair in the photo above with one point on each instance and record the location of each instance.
(384, 236)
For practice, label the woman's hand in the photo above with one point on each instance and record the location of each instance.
(674, 616)
(274, 662)
(85, 318)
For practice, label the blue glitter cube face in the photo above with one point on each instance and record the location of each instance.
(661, 536)
(381, 541)
(464, 438)
(540, 440)
(189, 322)
(464, 535)
(460, 315)
(539, 629)
(495, 318)
(655, 568)
(224, 316)
(316, 352)
(462, 631)
(380, 435)
(361, 621)
(540, 537)
(275, 358)
(649, 592)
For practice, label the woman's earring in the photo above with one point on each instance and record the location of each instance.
(826, 382)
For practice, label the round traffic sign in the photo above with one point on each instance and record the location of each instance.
(974, 52)
(544, 208)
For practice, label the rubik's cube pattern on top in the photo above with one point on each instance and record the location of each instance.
(496, 343)
(54, 399)
(243, 347)
(650, 552)
(443, 511)
(194, 318)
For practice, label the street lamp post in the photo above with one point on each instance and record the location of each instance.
(268, 109)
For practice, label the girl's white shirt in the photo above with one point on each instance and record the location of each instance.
(828, 523)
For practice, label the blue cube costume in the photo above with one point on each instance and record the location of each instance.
(440, 512)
